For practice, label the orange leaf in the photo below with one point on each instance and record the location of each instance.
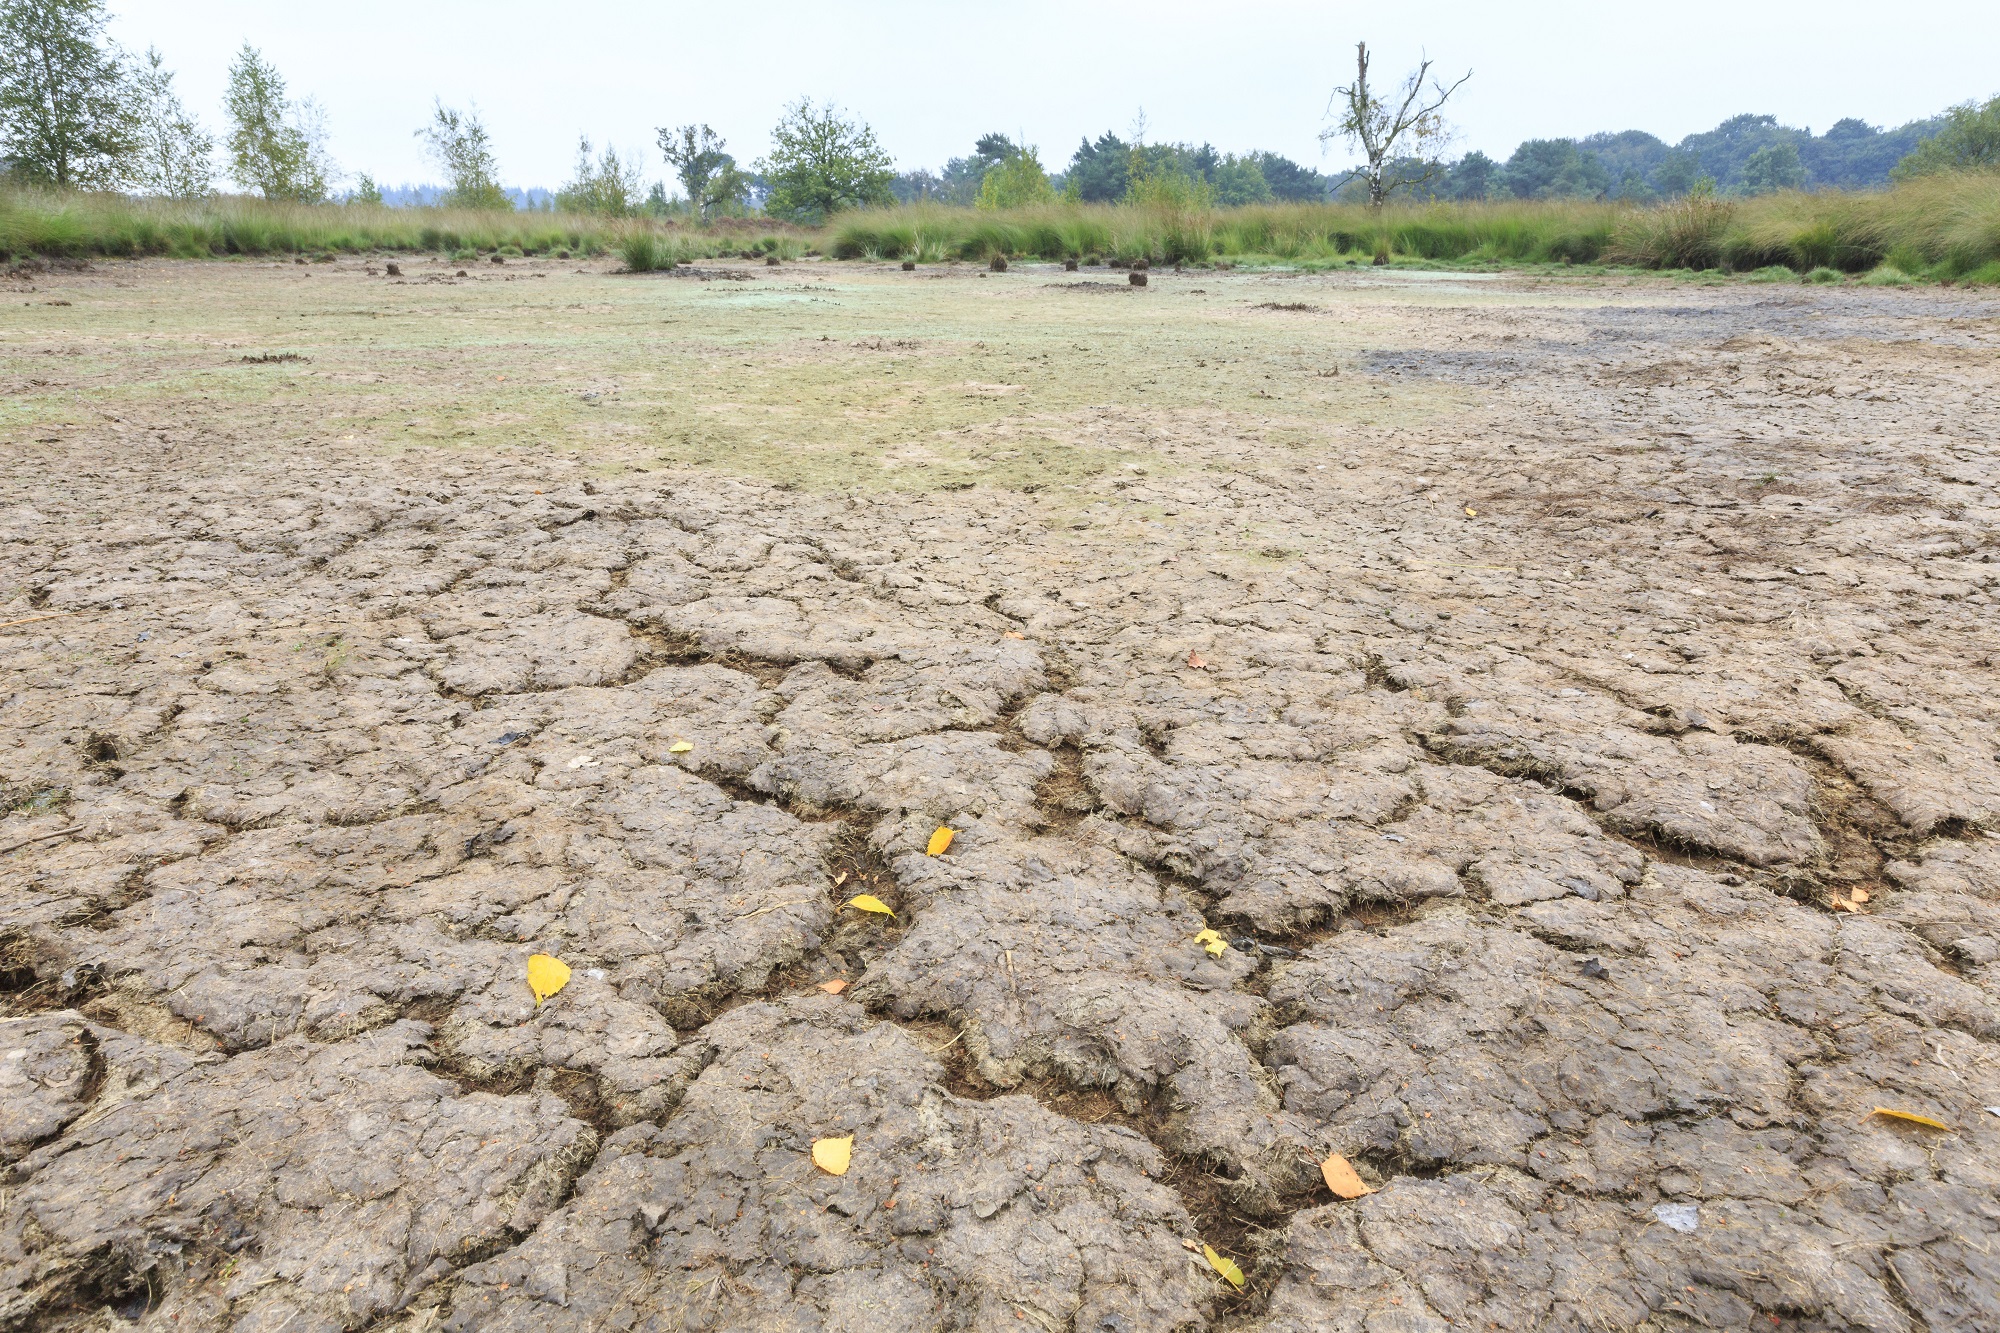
(1341, 1178)
(939, 841)
(1912, 1117)
(1013, 634)
(834, 987)
(1197, 661)
(833, 1155)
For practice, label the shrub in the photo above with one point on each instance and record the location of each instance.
(1823, 275)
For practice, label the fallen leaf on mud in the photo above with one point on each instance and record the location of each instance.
(868, 902)
(1860, 895)
(840, 879)
(585, 761)
(834, 987)
(1223, 1265)
(833, 1155)
(1013, 634)
(1213, 942)
(1912, 1117)
(546, 975)
(1470, 512)
(1197, 661)
(680, 747)
(1843, 905)
(939, 841)
(1341, 1178)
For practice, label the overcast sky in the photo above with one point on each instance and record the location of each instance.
(931, 77)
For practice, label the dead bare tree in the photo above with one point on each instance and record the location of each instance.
(1400, 135)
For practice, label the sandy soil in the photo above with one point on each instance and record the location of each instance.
(1572, 702)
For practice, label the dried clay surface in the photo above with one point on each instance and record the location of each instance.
(1535, 738)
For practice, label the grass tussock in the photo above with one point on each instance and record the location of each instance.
(53, 225)
(1554, 232)
(1944, 227)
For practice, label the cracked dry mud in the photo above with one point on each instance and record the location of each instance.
(1569, 648)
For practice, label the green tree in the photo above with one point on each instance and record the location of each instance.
(822, 162)
(366, 191)
(65, 110)
(1240, 180)
(275, 148)
(1969, 141)
(1554, 169)
(1474, 176)
(1678, 173)
(1772, 168)
(1100, 172)
(174, 156)
(1400, 136)
(1160, 179)
(605, 185)
(708, 175)
(458, 143)
(1015, 181)
(1289, 180)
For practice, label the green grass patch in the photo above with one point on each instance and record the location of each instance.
(56, 225)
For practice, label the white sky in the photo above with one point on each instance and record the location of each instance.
(931, 77)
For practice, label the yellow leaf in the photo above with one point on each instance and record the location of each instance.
(868, 902)
(1213, 942)
(1912, 1117)
(680, 747)
(1341, 1178)
(1470, 512)
(840, 879)
(939, 841)
(546, 975)
(834, 987)
(833, 1155)
(1223, 1265)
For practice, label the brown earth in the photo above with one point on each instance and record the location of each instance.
(1572, 700)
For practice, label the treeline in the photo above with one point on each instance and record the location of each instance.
(1744, 156)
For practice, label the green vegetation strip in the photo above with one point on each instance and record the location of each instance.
(1939, 227)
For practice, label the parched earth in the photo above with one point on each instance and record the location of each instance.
(1573, 701)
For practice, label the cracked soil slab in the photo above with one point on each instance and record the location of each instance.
(1534, 738)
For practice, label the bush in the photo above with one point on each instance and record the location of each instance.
(1825, 275)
